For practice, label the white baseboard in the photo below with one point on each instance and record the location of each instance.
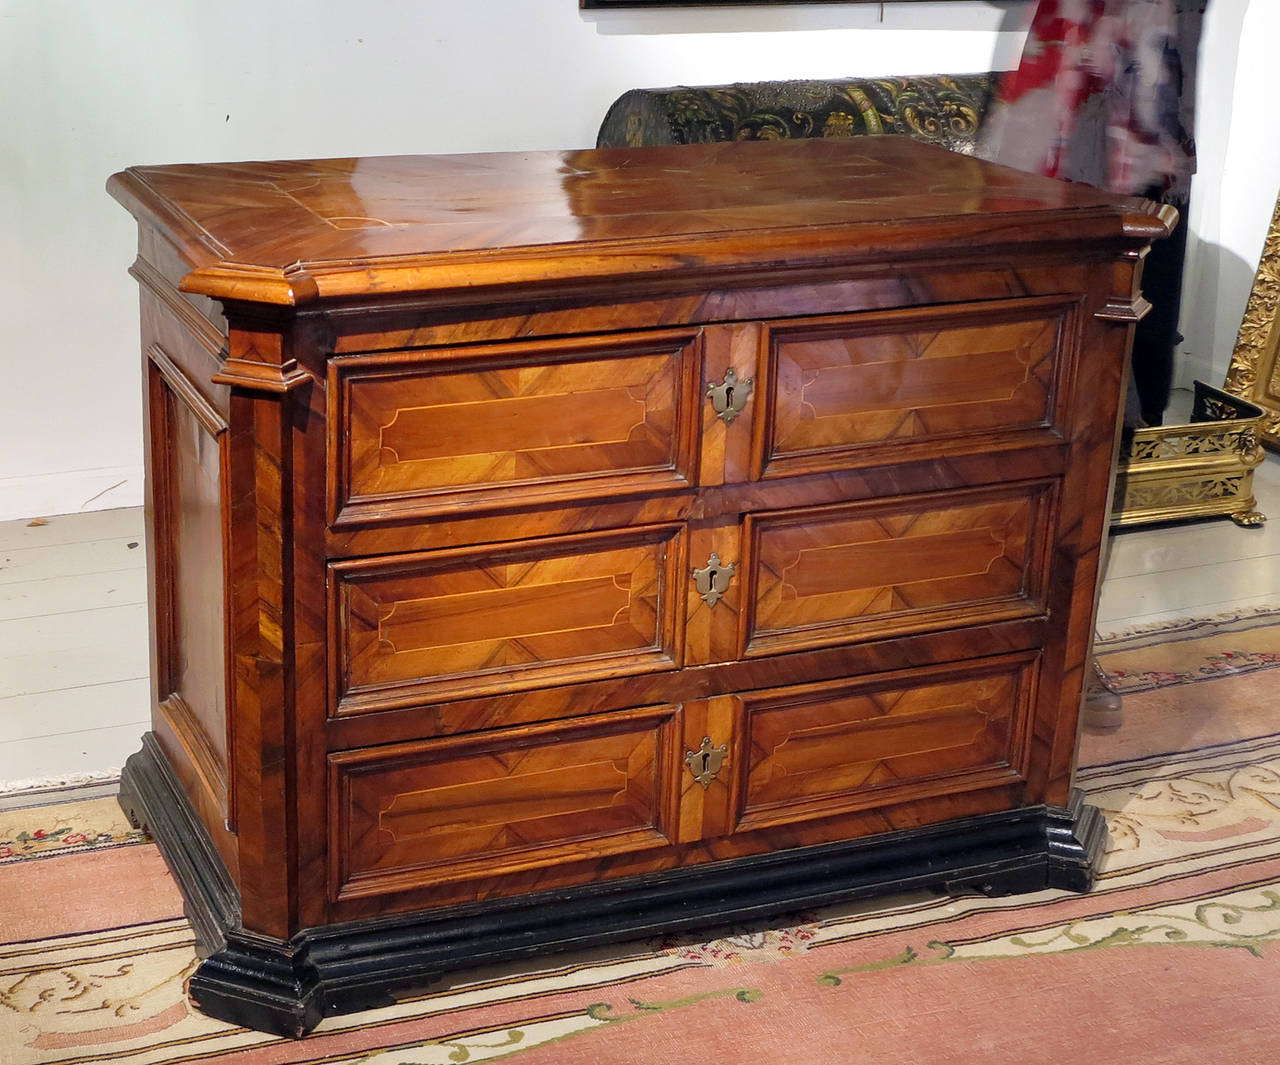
(45, 495)
(1191, 367)
(1200, 366)
(61, 781)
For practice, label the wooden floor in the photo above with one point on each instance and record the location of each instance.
(73, 644)
(73, 629)
(1196, 568)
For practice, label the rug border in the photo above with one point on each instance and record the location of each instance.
(1188, 626)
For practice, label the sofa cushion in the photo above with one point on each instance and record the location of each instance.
(944, 109)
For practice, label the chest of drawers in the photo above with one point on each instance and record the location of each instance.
(551, 548)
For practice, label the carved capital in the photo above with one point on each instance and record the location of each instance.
(1129, 310)
(262, 376)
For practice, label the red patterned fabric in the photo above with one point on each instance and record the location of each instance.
(1099, 96)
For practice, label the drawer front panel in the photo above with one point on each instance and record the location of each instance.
(505, 802)
(827, 575)
(450, 624)
(839, 387)
(534, 422)
(831, 748)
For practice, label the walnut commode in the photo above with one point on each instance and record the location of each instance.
(552, 548)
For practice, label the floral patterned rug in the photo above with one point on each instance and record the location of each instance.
(67, 827)
(1174, 957)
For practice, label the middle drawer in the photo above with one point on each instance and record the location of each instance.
(425, 627)
(475, 621)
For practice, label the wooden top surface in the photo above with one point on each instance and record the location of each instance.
(291, 232)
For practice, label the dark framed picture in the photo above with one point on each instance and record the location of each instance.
(716, 3)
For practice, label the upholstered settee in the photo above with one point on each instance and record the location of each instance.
(944, 109)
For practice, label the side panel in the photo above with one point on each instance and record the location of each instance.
(189, 473)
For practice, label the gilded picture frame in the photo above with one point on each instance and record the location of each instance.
(1254, 373)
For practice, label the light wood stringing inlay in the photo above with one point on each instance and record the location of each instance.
(506, 801)
(882, 385)
(515, 426)
(934, 557)
(503, 613)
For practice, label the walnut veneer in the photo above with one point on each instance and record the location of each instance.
(615, 524)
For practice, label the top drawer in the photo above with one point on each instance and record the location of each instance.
(511, 424)
(579, 419)
(845, 390)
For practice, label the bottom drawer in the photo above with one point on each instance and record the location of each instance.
(835, 747)
(417, 814)
(719, 777)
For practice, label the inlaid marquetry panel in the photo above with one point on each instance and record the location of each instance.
(841, 385)
(506, 801)
(823, 749)
(825, 575)
(501, 424)
(504, 617)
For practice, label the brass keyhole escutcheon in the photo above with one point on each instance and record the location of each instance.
(729, 396)
(706, 761)
(713, 580)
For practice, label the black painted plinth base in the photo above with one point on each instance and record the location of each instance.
(287, 987)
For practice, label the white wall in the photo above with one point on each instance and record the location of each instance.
(92, 86)
(1234, 193)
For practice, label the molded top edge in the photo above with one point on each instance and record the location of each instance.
(290, 232)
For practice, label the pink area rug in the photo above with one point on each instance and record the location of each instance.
(1174, 957)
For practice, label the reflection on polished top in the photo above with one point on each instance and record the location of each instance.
(290, 232)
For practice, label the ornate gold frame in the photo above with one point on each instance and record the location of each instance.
(1254, 373)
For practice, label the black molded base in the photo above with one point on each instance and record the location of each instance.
(286, 987)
